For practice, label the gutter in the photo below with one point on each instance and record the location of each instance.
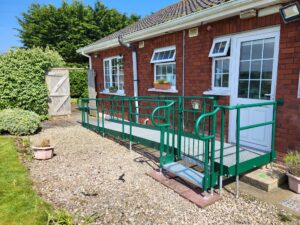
(215, 13)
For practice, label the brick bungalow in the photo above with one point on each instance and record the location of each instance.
(240, 50)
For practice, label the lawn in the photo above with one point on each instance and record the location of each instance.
(19, 204)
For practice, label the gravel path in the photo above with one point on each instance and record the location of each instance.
(93, 174)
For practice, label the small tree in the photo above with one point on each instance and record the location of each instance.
(70, 26)
(22, 78)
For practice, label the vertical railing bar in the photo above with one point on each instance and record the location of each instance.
(103, 116)
(237, 149)
(97, 115)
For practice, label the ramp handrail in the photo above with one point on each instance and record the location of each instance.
(210, 153)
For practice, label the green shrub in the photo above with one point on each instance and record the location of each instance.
(292, 161)
(22, 78)
(19, 121)
(79, 83)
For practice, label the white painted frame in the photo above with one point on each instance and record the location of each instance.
(164, 49)
(217, 89)
(218, 40)
(234, 67)
(110, 73)
(168, 63)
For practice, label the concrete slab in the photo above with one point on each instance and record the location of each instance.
(293, 202)
(184, 189)
(265, 179)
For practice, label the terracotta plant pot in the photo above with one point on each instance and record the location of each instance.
(294, 183)
(43, 153)
(166, 86)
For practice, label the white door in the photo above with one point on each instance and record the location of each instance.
(254, 63)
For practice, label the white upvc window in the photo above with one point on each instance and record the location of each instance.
(166, 71)
(114, 74)
(220, 47)
(220, 71)
(167, 54)
(165, 66)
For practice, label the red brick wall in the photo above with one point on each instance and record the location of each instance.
(198, 68)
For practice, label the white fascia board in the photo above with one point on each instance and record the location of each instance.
(229, 9)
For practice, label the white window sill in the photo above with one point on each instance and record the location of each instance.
(110, 93)
(217, 92)
(164, 91)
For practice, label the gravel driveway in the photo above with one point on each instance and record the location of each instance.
(92, 174)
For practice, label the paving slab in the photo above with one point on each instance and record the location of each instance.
(185, 189)
(292, 202)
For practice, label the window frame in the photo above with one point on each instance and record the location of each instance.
(164, 49)
(109, 59)
(226, 49)
(166, 63)
(213, 74)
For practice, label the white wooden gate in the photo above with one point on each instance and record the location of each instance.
(59, 92)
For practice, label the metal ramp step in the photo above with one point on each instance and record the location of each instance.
(186, 173)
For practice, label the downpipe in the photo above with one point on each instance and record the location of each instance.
(135, 77)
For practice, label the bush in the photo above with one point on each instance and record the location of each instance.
(22, 78)
(19, 121)
(79, 83)
(292, 161)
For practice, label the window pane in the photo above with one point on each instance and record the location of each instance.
(222, 47)
(265, 89)
(217, 47)
(160, 56)
(257, 47)
(255, 70)
(245, 50)
(269, 48)
(156, 56)
(164, 70)
(218, 66)
(218, 78)
(244, 70)
(226, 66)
(254, 89)
(267, 69)
(225, 80)
(172, 54)
(243, 89)
(158, 70)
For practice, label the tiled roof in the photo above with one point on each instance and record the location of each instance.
(177, 10)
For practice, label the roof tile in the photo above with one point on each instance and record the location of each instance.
(179, 9)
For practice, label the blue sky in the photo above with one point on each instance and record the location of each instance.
(10, 9)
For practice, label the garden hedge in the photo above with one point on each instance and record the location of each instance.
(22, 78)
(79, 83)
(19, 121)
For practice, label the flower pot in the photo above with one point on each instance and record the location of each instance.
(294, 183)
(43, 153)
(166, 86)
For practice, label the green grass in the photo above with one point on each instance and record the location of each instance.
(19, 204)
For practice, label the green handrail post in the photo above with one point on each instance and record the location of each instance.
(130, 124)
(98, 119)
(82, 112)
(179, 127)
(123, 125)
(222, 149)
(273, 153)
(162, 146)
(238, 133)
(103, 116)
